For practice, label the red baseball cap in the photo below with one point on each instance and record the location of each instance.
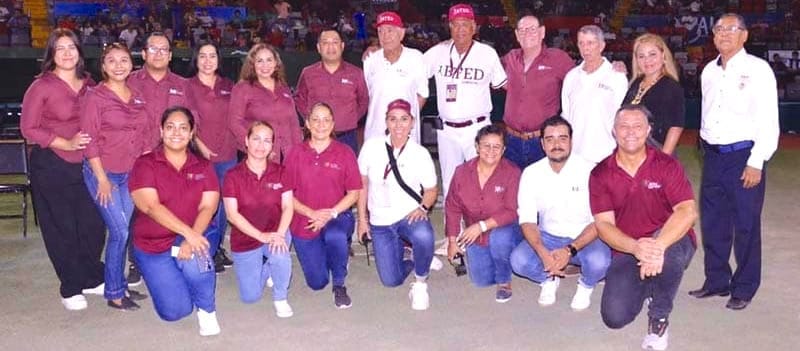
(389, 18)
(400, 104)
(461, 11)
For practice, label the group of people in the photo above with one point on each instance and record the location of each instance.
(582, 172)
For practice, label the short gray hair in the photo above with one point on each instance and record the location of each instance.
(739, 18)
(637, 108)
(595, 30)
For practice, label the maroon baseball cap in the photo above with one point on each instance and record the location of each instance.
(461, 11)
(400, 104)
(389, 18)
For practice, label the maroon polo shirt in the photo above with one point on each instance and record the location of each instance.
(118, 129)
(258, 200)
(320, 179)
(210, 106)
(467, 200)
(180, 191)
(169, 91)
(50, 109)
(252, 102)
(345, 90)
(535, 95)
(643, 203)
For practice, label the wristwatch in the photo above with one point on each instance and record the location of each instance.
(573, 251)
(334, 214)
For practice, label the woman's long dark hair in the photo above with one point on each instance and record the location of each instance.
(49, 63)
(195, 56)
(190, 118)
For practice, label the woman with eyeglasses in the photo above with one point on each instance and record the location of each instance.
(483, 194)
(72, 230)
(176, 194)
(262, 94)
(209, 95)
(655, 85)
(115, 117)
(400, 188)
(326, 185)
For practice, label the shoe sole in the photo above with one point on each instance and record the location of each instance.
(547, 303)
(343, 307)
(284, 315)
(136, 283)
(502, 300)
(209, 333)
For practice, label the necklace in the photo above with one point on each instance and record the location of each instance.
(643, 88)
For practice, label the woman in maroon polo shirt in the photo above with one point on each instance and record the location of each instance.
(263, 95)
(72, 230)
(258, 199)
(115, 118)
(326, 185)
(208, 95)
(176, 193)
(484, 194)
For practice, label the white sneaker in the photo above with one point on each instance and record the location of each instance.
(582, 299)
(547, 296)
(420, 300)
(436, 264)
(442, 250)
(97, 290)
(270, 283)
(282, 309)
(75, 302)
(655, 342)
(208, 323)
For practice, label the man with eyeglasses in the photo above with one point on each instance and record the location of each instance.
(556, 220)
(337, 83)
(535, 76)
(739, 133)
(161, 89)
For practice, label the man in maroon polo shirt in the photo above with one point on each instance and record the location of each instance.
(644, 209)
(535, 75)
(158, 85)
(161, 89)
(336, 83)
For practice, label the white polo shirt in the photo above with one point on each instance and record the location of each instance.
(557, 202)
(740, 103)
(386, 200)
(589, 102)
(386, 82)
(464, 93)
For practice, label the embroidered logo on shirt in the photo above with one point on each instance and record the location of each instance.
(195, 176)
(173, 91)
(652, 185)
(499, 189)
(224, 92)
(575, 188)
(605, 87)
(137, 101)
(346, 81)
(332, 165)
(543, 68)
(274, 186)
(287, 95)
(743, 81)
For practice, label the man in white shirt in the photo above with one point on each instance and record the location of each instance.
(465, 71)
(591, 95)
(739, 132)
(393, 72)
(556, 190)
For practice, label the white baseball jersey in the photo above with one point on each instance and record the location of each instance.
(386, 82)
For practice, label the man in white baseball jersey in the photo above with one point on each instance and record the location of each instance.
(393, 72)
(591, 94)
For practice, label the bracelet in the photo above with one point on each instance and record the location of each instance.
(483, 226)
(423, 208)
(334, 214)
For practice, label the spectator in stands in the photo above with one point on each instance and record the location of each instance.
(794, 62)
(20, 28)
(777, 64)
(114, 116)
(655, 85)
(72, 230)
(128, 35)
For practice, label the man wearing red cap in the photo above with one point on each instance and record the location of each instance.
(465, 70)
(393, 72)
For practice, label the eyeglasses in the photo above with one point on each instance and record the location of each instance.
(727, 29)
(491, 147)
(528, 30)
(155, 50)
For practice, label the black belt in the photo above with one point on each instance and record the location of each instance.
(465, 123)
(728, 148)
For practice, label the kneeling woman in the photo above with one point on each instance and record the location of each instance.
(176, 193)
(258, 201)
(394, 169)
(484, 194)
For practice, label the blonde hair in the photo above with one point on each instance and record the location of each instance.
(248, 71)
(669, 69)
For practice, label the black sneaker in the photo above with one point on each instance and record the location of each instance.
(134, 276)
(340, 297)
(219, 266)
(226, 262)
(135, 295)
(125, 305)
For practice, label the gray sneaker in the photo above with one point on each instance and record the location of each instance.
(340, 297)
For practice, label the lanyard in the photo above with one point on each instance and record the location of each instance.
(389, 165)
(464, 58)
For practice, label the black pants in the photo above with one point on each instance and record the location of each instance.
(72, 230)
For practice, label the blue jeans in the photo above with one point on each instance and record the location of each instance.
(523, 152)
(349, 138)
(327, 254)
(216, 228)
(176, 286)
(387, 241)
(117, 214)
(593, 259)
(252, 272)
(488, 265)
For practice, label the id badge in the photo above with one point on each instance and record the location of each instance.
(452, 92)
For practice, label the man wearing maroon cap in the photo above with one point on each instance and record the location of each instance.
(535, 76)
(644, 209)
(393, 72)
(465, 70)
